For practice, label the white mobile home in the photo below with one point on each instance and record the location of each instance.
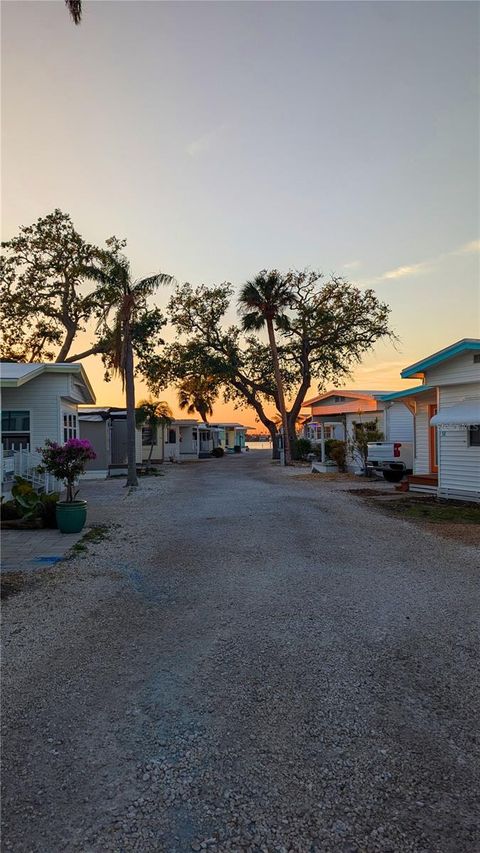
(446, 410)
(230, 435)
(182, 440)
(334, 415)
(40, 401)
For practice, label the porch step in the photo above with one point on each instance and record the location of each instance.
(423, 480)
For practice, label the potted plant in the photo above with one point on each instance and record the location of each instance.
(67, 462)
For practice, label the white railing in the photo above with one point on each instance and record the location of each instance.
(24, 463)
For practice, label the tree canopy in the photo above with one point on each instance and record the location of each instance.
(54, 283)
(324, 330)
(49, 276)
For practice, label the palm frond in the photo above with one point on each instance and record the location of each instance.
(253, 321)
(75, 9)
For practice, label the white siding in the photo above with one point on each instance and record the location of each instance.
(421, 463)
(459, 468)
(398, 423)
(42, 397)
(459, 369)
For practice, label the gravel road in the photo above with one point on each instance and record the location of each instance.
(253, 662)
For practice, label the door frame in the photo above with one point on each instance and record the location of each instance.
(432, 439)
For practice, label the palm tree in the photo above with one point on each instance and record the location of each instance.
(198, 394)
(154, 414)
(128, 299)
(75, 9)
(263, 301)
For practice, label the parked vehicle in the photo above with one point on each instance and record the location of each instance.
(392, 458)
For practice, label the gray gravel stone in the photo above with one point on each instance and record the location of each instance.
(253, 662)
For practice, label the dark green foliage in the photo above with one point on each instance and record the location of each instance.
(218, 452)
(29, 505)
(45, 273)
(9, 511)
(48, 509)
(21, 487)
(337, 452)
(322, 334)
(300, 448)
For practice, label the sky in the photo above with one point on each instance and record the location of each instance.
(223, 138)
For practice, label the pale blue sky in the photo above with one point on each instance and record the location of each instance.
(220, 138)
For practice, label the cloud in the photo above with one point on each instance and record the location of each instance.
(468, 249)
(408, 270)
(352, 265)
(380, 367)
(205, 142)
(402, 272)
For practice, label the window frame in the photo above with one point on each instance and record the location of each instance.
(69, 425)
(474, 429)
(23, 437)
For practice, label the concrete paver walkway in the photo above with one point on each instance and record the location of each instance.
(31, 550)
(254, 661)
(28, 550)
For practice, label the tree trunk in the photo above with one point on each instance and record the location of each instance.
(274, 436)
(281, 395)
(67, 344)
(151, 449)
(131, 426)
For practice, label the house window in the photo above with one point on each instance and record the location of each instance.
(172, 436)
(474, 436)
(149, 436)
(69, 426)
(15, 429)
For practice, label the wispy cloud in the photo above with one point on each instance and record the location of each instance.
(468, 248)
(381, 367)
(408, 270)
(403, 272)
(204, 143)
(352, 265)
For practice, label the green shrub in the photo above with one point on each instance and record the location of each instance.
(218, 452)
(48, 509)
(300, 448)
(337, 452)
(22, 487)
(329, 443)
(29, 505)
(9, 511)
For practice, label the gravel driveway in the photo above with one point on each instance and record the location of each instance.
(252, 662)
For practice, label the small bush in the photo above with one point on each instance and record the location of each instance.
(300, 448)
(337, 452)
(21, 488)
(48, 510)
(218, 452)
(9, 511)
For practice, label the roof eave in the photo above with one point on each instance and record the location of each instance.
(408, 392)
(417, 370)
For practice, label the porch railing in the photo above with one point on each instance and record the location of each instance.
(24, 463)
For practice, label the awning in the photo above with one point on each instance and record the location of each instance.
(463, 414)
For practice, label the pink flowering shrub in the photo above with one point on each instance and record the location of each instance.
(66, 461)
